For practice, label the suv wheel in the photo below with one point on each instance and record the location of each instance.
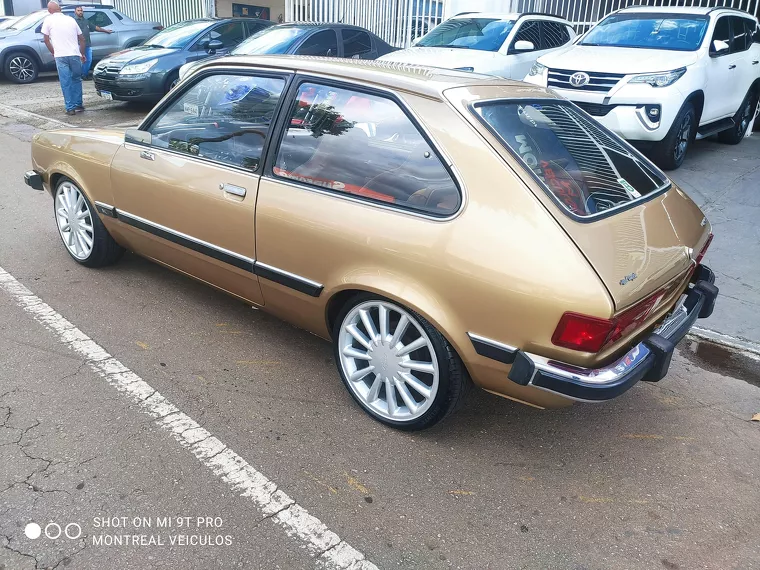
(21, 68)
(742, 119)
(396, 365)
(670, 152)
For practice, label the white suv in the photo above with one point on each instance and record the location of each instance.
(661, 77)
(506, 45)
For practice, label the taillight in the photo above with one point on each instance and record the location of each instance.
(592, 334)
(703, 251)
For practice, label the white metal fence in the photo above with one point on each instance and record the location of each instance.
(167, 12)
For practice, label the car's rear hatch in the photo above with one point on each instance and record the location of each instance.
(639, 231)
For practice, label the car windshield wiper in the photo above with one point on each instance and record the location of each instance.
(158, 46)
(451, 46)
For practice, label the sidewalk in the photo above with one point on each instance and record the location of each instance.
(725, 182)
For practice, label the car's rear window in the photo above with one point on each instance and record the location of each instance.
(585, 168)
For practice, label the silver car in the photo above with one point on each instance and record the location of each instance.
(23, 54)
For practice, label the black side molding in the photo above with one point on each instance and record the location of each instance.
(105, 209)
(288, 279)
(493, 349)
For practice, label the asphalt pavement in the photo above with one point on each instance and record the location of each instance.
(253, 411)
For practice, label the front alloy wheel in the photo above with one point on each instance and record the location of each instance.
(682, 139)
(396, 365)
(74, 221)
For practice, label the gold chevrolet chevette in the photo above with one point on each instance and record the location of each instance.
(436, 226)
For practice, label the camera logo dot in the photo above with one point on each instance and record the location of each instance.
(53, 531)
(33, 531)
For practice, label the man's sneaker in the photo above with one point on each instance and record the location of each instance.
(79, 109)
(71, 112)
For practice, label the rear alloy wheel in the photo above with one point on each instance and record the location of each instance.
(84, 235)
(742, 119)
(21, 68)
(396, 365)
(670, 152)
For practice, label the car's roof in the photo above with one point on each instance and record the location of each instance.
(426, 81)
(505, 15)
(701, 10)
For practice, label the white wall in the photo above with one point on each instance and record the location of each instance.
(23, 7)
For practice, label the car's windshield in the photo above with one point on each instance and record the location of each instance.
(7, 23)
(28, 21)
(271, 41)
(584, 167)
(487, 34)
(178, 35)
(679, 32)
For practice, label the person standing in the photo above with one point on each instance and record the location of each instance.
(65, 41)
(86, 26)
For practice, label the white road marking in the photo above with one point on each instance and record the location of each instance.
(324, 545)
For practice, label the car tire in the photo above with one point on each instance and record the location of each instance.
(742, 119)
(171, 81)
(426, 383)
(82, 232)
(670, 152)
(20, 67)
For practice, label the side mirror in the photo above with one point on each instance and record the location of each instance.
(416, 40)
(719, 47)
(136, 136)
(523, 45)
(214, 45)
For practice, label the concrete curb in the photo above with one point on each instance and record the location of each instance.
(40, 121)
(736, 343)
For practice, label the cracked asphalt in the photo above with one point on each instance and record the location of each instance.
(663, 477)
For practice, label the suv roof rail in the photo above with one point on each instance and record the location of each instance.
(540, 14)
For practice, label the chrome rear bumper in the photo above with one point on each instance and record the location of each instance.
(648, 361)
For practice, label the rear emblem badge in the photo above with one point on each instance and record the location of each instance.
(579, 79)
(628, 278)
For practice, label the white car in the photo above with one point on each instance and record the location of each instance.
(506, 45)
(661, 77)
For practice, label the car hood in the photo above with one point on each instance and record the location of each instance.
(616, 59)
(139, 54)
(9, 34)
(449, 58)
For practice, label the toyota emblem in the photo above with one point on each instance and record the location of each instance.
(579, 79)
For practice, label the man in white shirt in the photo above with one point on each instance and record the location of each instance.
(64, 39)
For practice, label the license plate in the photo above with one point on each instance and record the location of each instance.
(106, 95)
(191, 109)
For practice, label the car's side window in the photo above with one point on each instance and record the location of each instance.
(230, 34)
(352, 142)
(118, 16)
(740, 40)
(722, 31)
(554, 35)
(98, 18)
(321, 43)
(530, 32)
(356, 43)
(755, 32)
(224, 118)
(253, 28)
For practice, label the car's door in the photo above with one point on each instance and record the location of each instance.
(102, 43)
(324, 42)
(347, 159)
(37, 39)
(186, 197)
(742, 44)
(520, 61)
(357, 44)
(721, 102)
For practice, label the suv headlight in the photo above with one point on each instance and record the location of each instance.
(537, 69)
(659, 79)
(138, 68)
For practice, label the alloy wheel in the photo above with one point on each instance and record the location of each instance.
(388, 360)
(22, 68)
(74, 219)
(682, 141)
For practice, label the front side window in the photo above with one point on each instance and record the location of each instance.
(98, 18)
(586, 169)
(529, 31)
(225, 118)
(322, 43)
(486, 34)
(722, 31)
(554, 34)
(356, 43)
(742, 38)
(230, 34)
(677, 32)
(351, 142)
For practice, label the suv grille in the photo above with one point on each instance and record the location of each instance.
(595, 109)
(601, 82)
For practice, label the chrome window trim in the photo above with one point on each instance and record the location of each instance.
(122, 213)
(198, 159)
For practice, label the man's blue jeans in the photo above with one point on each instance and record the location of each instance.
(86, 65)
(70, 76)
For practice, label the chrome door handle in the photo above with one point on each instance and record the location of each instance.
(731, 67)
(232, 189)
(147, 155)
